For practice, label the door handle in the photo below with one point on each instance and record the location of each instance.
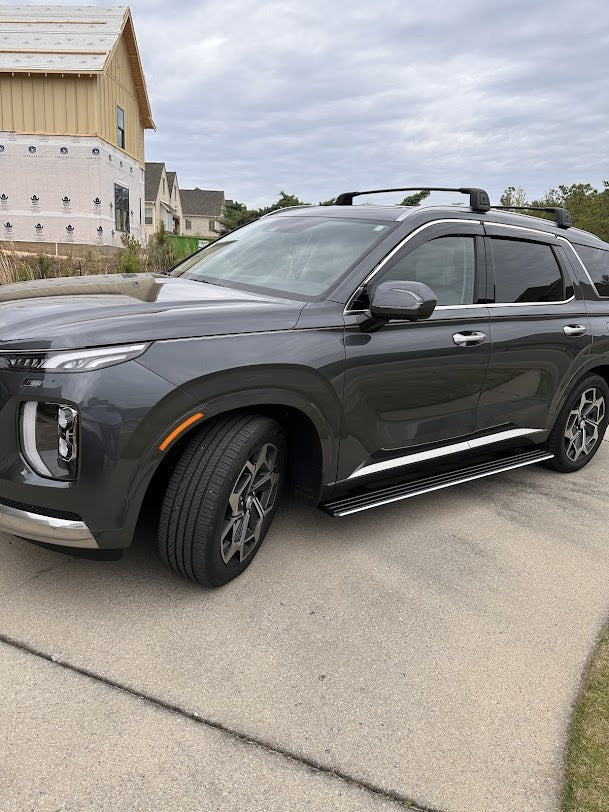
(574, 329)
(468, 339)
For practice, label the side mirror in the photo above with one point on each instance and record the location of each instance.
(402, 300)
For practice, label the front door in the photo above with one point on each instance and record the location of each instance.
(415, 384)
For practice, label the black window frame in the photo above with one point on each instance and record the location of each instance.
(120, 126)
(121, 214)
(568, 290)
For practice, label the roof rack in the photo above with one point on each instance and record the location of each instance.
(561, 216)
(478, 198)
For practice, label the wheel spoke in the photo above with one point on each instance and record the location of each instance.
(583, 423)
(251, 500)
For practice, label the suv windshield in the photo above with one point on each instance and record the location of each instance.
(290, 254)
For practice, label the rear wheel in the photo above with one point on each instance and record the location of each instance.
(580, 426)
(221, 498)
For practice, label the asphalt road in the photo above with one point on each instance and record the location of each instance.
(430, 650)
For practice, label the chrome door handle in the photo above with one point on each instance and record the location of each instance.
(574, 329)
(469, 339)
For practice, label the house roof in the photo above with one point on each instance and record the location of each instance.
(202, 202)
(152, 180)
(69, 39)
(171, 179)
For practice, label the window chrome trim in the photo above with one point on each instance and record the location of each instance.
(522, 228)
(581, 262)
(504, 304)
(530, 304)
(394, 251)
(442, 451)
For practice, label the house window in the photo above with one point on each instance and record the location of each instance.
(188, 225)
(121, 208)
(120, 127)
(212, 225)
(164, 188)
(149, 217)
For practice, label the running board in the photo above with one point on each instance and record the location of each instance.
(393, 493)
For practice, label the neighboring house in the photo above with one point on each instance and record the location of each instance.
(73, 111)
(201, 211)
(162, 199)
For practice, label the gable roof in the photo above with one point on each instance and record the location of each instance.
(152, 180)
(69, 39)
(171, 179)
(201, 202)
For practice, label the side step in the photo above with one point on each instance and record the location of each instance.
(393, 493)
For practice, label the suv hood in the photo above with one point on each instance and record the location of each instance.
(93, 311)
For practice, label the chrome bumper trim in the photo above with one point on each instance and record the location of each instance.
(49, 529)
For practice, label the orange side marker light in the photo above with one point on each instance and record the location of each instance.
(179, 429)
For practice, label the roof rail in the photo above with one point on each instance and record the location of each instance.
(478, 198)
(562, 216)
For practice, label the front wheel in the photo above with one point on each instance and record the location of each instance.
(221, 498)
(580, 426)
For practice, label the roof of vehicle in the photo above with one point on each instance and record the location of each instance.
(397, 213)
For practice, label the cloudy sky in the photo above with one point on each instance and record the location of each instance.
(321, 96)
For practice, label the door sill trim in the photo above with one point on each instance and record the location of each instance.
(442, 451)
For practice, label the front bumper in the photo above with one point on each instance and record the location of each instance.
(48, 529)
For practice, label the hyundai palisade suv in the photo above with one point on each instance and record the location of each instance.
(357, 355)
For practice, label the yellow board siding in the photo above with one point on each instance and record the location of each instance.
(117, 88)
(48, 104)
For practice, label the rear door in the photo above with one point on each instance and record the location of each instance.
(539, 327)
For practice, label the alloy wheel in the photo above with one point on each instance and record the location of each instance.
(583, 424)
(251, 500)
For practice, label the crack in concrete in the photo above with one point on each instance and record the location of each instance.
(34, 577)
(303, 761)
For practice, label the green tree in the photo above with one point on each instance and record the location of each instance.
(589, 207)
(235, 215)
(416, 199)
(514, 197)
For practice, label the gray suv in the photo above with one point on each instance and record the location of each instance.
(356, 355)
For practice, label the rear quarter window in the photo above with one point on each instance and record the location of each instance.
(596, 261)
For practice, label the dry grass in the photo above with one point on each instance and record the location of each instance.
(586, 787)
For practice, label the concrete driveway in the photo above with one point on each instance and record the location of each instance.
(428, 651)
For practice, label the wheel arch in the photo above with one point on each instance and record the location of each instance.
(308, 468)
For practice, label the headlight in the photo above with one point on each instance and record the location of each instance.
(71, 360)
(49, 438)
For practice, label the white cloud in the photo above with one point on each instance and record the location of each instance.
(322, 96)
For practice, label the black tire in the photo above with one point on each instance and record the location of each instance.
(193, 536)
(566, 449)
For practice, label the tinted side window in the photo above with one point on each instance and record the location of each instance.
(596, 261)
(526, 272)
(447, 265)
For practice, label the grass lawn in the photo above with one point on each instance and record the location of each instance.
(586, 787)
